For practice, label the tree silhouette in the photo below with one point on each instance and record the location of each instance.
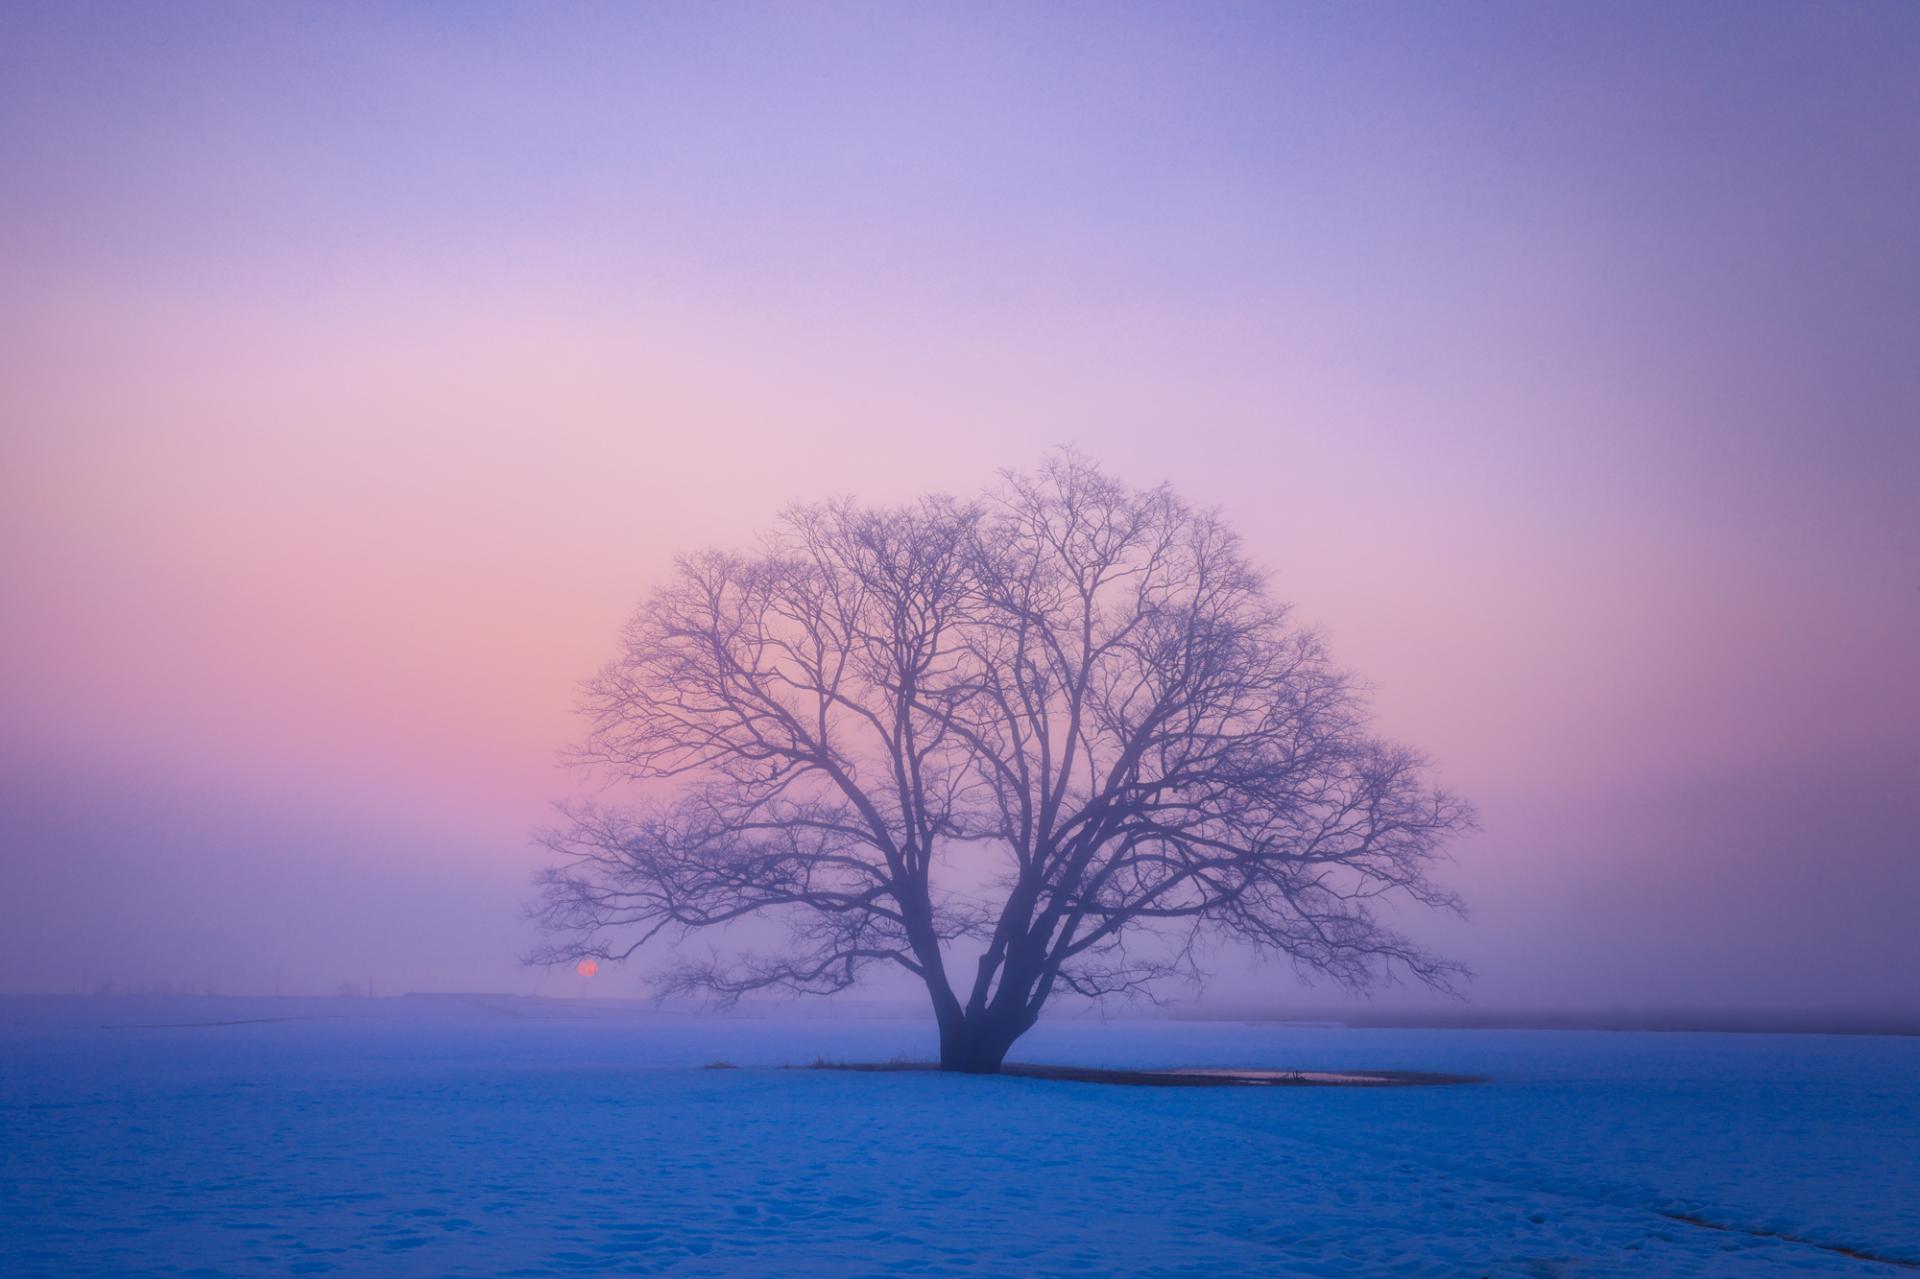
(1080, 685)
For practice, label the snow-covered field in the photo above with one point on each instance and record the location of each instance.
(497, 1136)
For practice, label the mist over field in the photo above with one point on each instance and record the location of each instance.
(1552, 364)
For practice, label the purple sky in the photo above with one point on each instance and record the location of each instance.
(361, 367)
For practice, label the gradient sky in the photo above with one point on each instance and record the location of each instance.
(360, 368)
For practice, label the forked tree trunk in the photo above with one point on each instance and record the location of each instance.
(978, 1045)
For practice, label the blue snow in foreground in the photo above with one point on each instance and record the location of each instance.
(500, 1136)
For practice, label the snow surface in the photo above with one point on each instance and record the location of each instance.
(500, 1136)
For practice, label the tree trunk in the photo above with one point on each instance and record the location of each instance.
(978, 1045)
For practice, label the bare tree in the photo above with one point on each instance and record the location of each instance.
(1082, 685)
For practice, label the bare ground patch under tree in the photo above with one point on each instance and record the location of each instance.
(1189, 1077)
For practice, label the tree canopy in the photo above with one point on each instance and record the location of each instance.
(1059, 734)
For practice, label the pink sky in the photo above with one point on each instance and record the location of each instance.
(360, 370)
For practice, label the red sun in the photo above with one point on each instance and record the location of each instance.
(586, 968)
